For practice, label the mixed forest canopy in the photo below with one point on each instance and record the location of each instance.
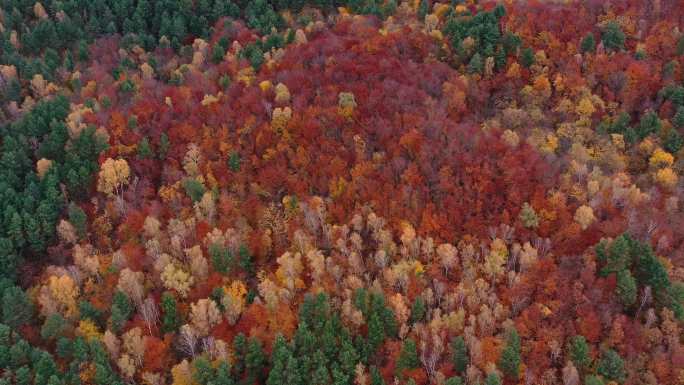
(354, 192)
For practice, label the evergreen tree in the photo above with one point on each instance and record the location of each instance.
(234, 161)
(649, 124)
(53, 327)
(255, 360)
(527, 57)
(613, 38)
(459, 355)
(611, 366)
(678, 119)
(423, 9)
(321, 374)
(17, 308)
(476, 65)
(170, 319)
(217, 54)
(223, 375)
(376, 377)
(293, 373)
(164, 145)
(204, 372)
(509, 361)
(593, 380)
(580, 352)
(588, 43)
(78, 219)
(626, 288)
(408, 357)
(672, 140)
(279, 358)
(144, 149)
(221, 258)
(455, 380)
(493, 379)
(418, 310)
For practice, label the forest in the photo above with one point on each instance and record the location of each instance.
(341, 192)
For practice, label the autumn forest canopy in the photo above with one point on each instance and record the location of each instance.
(341, 192)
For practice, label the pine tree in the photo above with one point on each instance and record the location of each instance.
(588, 43)
(613, 37)
(611, 366)
(223, 376)
(78, 219)
(17, 308)
(459, 355)
(593, 380)
(418, 310)
(408, 357)
(53, 327)
(217, 54)
(279, 358)
(527, 57)
(493, 379)
(580, 352)
(509, 361)
(144, 149)
(376, 377)
(204, 372)
(170, 320)
(293, 373)
(255, 359)
(453, 381)
(423, 9)
(626, 288)
(476, 65)
(321, 374)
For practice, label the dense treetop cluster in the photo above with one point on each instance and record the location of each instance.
(356, 192)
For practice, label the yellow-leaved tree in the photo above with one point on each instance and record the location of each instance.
(113, 177)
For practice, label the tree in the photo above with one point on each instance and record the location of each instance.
(255, 360)
(492, 379)
(293, 375)
(580, 352)
(678, 119)
(527, 57)
(476, 65)
(408, 357)
(53, 327)
(223, 375)
(593, 380)
(588, 43)
(611, 366)
(17, 308)
(509, 361)
(584, 215)
(144, 149)
(418, 310)
(459, 354)
(281, 355)
(217, 54)
(455, 380)
(78, 219)
(113, 176)
(626, 288)
(376, 377)
(171, 320)
(204, 372)
(121, 310)
(221, 258)
(204, 315)
(613, 38)
(423, 9)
